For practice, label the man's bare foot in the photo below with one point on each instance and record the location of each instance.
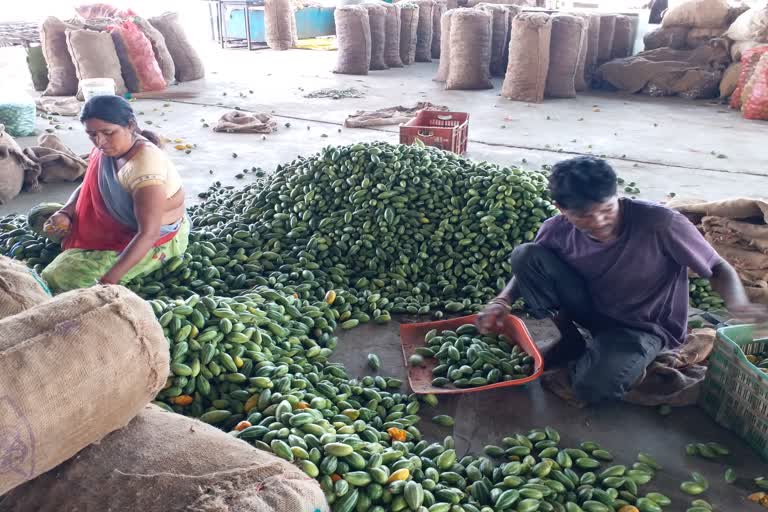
(558, 382)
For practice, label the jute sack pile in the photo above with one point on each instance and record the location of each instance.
(20, 288)
(377, 21)
(470, 50)
(528, 58)
(445, 47)
(748, 31)
(62, 77)
(424, 31)
(76, 368)
(279, 25)
(186, 60)
(392, 36)
(564, 51)
(95, 56)
(622, 38)
(700, 36)
(670, 37)
(730, 80)
(353, 33)
(697, 14)
(12, 167)
(162, 55)
(607, 31)
(437, 30)
(409, 25)
(580, 80)
(593, 45)
(165, 462)
(513, 10)
(499, 36)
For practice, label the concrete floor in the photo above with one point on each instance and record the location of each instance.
(694, 149)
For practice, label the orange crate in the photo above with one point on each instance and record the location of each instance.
(443, 130)
(420, 377)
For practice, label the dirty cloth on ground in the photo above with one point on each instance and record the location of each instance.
(245, 122)
(54, 160)
(59, 105)
(675, 376)
(390, 115)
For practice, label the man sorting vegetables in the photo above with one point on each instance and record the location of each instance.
(618, 268)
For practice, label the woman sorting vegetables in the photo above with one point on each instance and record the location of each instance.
(128, 215)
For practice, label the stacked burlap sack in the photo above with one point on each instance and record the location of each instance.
(692, 23)
(76, 431)
(138, 54)
(17, 171)
(738, 230)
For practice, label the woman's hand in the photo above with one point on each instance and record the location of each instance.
(491, 319)
(58, 225)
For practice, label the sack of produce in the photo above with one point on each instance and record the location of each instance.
(755, 97)
(499, 35)
(353, 34)
(622, 38)
(188, 64)
(95, 56)
(62, 77)
(730, 80)
(409, 24)
(752, 25)
(445, 47)
(528, 58)
(20, 288)
(279, 24)
(38, 69)
(424, 31)
(470, 50)
(162, 55)
(739, 48)
(564, 50)
(18, 116)
(377, 20)
(437, 30)
(579, 81)
(392, 36)
(749, 62)
(513, 10)
(697, 37)
(110, 359)
(141, 71)
(593, 44)
(11, 168)
(607, 31)
(697, 14)
(669, 37)
(164, 462)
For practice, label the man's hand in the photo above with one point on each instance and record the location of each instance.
(750, 313)
(491, 319)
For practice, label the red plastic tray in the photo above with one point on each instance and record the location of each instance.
(443, 130)
(420, 377)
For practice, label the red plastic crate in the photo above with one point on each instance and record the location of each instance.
(443, 130)
(420, 377)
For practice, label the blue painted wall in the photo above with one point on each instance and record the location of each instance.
(310, 22)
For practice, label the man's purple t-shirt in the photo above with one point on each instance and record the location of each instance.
(641, 278)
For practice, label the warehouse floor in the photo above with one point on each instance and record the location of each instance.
(693, 149)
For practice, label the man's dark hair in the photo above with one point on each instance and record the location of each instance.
(578, 183)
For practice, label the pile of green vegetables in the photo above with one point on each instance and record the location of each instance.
(352, 235)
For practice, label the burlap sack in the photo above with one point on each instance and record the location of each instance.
(622, 38)
(737, 208)
(237, 121)
(499, 35)
(752, 25)
(279, 29)
(564, 50)
(20, 288)
(742, 259)
(377, 19)
(730, 80)
(437, 30)
(409, 24)
(593, 44)
(62, 77)
(670, 37)
(739, 48)
(607, 31)
(579, 81)
(164, 462)
(744, 235)
(163, 56)
(188, 64)
(55, 160)
(392, 36)
(424, 31)
(513, 10)
(445, 50)
(76, 368)
(528, 58)
(697, 14)
(470, 50)
(353, 35)
(11, 167)
(95, 56)
(697, 37)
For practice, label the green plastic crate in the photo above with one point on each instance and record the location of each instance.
(735, 392)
